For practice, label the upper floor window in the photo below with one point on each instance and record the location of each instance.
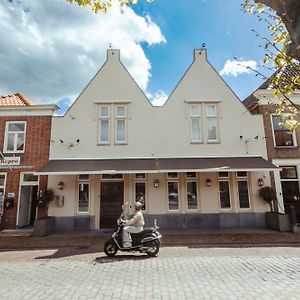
(212, 122)
(14, 140)
(282, 136)
(112, 124)
(204, 117)
(196, 123)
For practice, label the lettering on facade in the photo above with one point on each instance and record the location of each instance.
(9, 161)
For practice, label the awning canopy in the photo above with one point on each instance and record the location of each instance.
(155, 165)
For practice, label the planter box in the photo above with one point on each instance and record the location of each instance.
(278, 221)
(44, 227)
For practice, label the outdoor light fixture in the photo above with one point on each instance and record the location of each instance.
(60, 185)
(260, 182)
(156, 183)
(208, 182)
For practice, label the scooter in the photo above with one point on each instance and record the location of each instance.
(146, 241)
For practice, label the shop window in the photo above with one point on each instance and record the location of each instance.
(224, 190)
(14, 140)
(173, 195)
(192, 198)
(83, 197)
(243, 190)
(290, 186)
(140, 193)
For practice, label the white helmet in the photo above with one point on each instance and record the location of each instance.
(138, 205)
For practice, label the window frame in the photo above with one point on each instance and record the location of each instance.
(197, 117)
(227, 179)
(293, 134)
(82, 182)
(120, 118)
(194, 179)
(5, 150)
(104, 118)
(144, 181)
(243, 178)
(212, 117)
(178, 193)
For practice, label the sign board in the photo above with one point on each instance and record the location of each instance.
(9, 161)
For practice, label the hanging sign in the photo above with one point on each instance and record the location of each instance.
(9, 161)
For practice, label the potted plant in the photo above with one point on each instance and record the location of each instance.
(274, 220)
(45, 225)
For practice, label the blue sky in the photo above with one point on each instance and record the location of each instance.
(53, 49)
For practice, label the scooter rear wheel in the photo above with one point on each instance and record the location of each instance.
(153, 248)
(110, 248)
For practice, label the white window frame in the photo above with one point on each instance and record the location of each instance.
(142, 180)
(5, 150)
(89, 200)
(3, 186)
(212, 117)
(197, 117)
(104, 118)
(192, 179)
(230, 196)
(178, 186)
(295, 144)
(120, 118)
(243, 178)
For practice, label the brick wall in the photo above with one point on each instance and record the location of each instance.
(38, 132)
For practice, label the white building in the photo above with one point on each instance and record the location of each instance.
(194, 162)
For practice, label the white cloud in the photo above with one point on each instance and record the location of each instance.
(237, 67)
(158, 99)
(52, 49)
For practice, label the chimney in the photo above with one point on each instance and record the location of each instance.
(113, 54)
(200, 54)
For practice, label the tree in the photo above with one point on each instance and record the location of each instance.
(102, 5)
(282, 18)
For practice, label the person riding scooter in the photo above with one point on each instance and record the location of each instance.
(134, 225)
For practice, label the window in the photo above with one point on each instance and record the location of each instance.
(192, 198)
(112, 176)
(83, 197)
(290, 185)
(112, 124)
(15, 137)
(83, 177)
(29, 177)
(2, 183)
(282, 136)
(173, 195)
(196, 125)
(212, 122)
(140, 189)
(224, 191)
(243, 191)
(104, 124)
(204, 115)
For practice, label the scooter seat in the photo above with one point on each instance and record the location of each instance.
(146, 230)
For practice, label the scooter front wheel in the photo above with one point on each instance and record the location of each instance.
(153, 248)
(110, 248)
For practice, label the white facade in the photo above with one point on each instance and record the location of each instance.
(113, 119)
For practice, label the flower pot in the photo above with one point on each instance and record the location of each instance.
(277, 221)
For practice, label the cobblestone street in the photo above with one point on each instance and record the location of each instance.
(177, 273)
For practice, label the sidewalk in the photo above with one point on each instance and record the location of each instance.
(231, 237)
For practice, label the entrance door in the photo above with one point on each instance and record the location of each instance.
(112, 198)
(27, 205)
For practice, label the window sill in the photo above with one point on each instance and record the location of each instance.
(103, 144)
(196, 142)
(213, 142)
(286, 147)
(121, 144)
(13, 152)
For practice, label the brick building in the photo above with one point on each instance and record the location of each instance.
(282, 146)
(25, 131)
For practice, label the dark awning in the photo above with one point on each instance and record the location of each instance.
(153, 165)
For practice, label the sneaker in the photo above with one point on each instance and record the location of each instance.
(127, 245)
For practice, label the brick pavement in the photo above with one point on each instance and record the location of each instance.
(177, 273)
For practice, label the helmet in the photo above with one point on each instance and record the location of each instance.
(138, 205)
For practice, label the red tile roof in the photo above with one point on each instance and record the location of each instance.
(16, 99)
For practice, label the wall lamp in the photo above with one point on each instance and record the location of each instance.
(208, 182)
(61, 185)
(260, 182)
(156, 183)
